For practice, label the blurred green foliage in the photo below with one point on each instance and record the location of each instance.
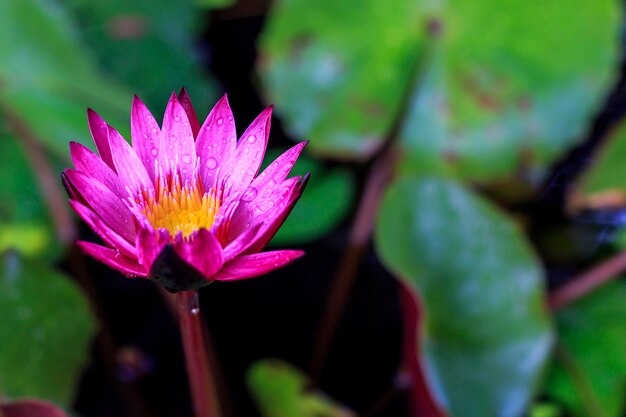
(589, 374)
(486, 330)
(45, 331)
(280, 390)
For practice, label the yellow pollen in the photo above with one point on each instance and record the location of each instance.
(179, 208)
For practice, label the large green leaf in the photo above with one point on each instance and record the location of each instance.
(280, 390)
(509, 86)
(496, 86)
(328, 196)
(48, 77)
(45, 331)
(336, 70)
(589, 374)
(25, 222)
(486, 330)
(149, 45)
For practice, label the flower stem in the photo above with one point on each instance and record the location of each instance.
(588, 281)
(203, 395)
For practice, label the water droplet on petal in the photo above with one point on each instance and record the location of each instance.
(220, 121)
(250, 194)
(186, 159)
(154, 152)
(173, 138)
(177, 118)
(252, 139)
(211, 163)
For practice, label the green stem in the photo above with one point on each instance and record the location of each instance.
(203, 393)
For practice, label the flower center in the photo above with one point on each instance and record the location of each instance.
(179, 208)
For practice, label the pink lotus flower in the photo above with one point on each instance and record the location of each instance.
(184, 204)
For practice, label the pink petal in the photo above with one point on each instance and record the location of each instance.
(150, 243)
(271, 226)
(249, 266)
(70, 189)
(262, 206)
(185, 101)
(129, 167)
(91, 164)
(177, 150)
(241, 242)
(246, 161)
(114, 259)
(146, 135)
(103, 230)
(104, 202)
(277, 171)
(100, 132)
(216, 141)
(203, 251)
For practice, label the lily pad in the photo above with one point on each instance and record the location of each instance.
(336, 70)
(45, 331)
(486, 333)
(496, 87)
(509, 87)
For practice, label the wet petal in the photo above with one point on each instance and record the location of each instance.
(114, 259)
(216, 142)
(264, 207)
(178, 150)
(249, 266)
(271, 226)
(103, 230)
(145, 134)
(277, 171)
(100, 133)
(91, 164)
(244, 164)
(131, 171)
(185, 101)
(150, 243)
(203, 251)
(104, 202)
(242, 242)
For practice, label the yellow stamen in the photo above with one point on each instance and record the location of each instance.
(179, 208)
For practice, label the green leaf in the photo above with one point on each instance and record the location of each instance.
(495, 95)
(45, 331)
(604, 183)
(336, 70)
(280, 390)
(486, 330)
(25, 222)
(49, 78)
(498, 87)
(589, 374)
(149, 45)
(326, 201)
